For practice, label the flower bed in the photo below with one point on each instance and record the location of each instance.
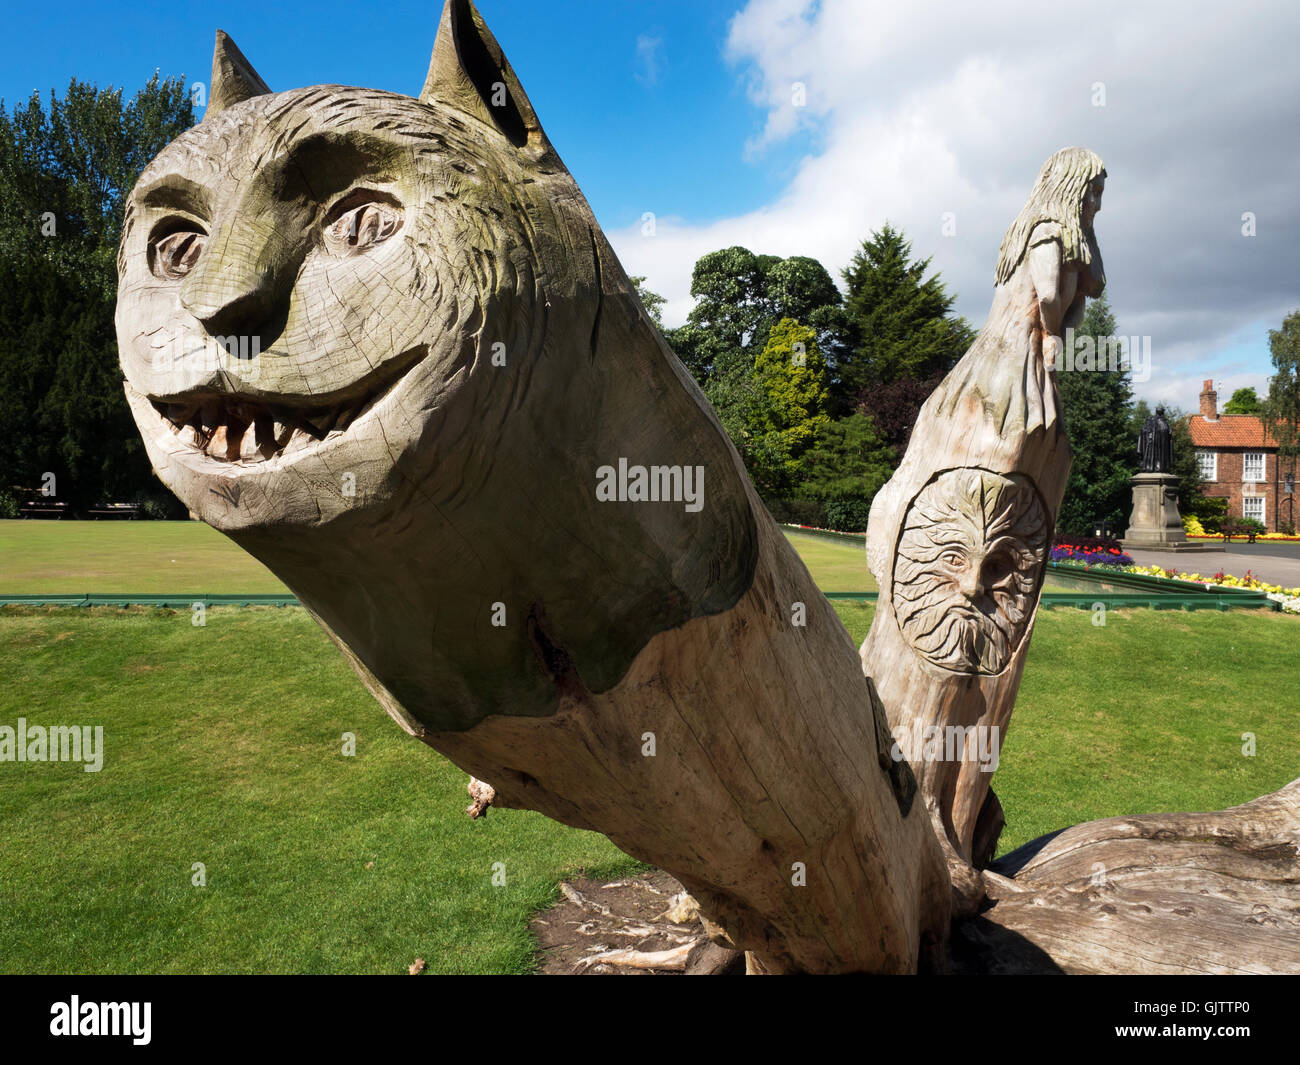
(1288, 598)
(1274, 537)
(1196, 531)
(1090, 550)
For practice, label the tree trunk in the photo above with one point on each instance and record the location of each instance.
(1161, 893)
(468, 451)
(739, 752)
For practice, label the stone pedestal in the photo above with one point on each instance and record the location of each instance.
(1155, 524)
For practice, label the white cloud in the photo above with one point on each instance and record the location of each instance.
(648, 59)
(926, 108)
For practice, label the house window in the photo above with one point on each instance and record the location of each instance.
(1209, 462)
(1252, 466)
(1253, 507)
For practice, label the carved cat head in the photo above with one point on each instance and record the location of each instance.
(306, 270)
(382, 343)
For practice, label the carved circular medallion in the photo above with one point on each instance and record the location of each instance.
(969, 561)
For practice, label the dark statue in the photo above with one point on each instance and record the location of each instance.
(1156, 445)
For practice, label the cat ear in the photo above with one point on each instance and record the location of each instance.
(233, 78)
(470, 73)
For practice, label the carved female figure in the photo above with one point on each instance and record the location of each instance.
(958, 538)
(1049, 264)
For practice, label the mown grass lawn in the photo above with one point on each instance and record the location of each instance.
(835, 566)
(1143, 715)
(49, 557)
(223, 746)
(62, 557)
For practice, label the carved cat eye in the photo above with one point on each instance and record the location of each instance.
(174, 255)
(360, 222)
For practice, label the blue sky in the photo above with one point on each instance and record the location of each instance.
(914, 113)
(636, 97)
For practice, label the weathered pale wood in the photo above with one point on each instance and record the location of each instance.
(1161, 893)
(382, 343)
(452, 367)
(960, 536)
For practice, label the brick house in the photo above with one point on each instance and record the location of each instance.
(1239, 460)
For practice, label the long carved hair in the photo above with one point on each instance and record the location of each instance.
(1058, 197)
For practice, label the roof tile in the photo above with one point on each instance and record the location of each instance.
(1231, 430)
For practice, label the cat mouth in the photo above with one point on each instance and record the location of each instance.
(235, 427)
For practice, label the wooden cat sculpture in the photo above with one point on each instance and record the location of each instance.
(382, 344)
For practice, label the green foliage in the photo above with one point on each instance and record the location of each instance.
(1243, 401)
(1210, 511)
(894, 332)
(739, 297)
(650, 300)
(781, 408)
(1097, 406)
(791, 375)
(64, 172)
(849, 462)
(898, 320)
(1281, 407)
(848, 515)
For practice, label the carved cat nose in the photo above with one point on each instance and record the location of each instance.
(242, 276)
(227, 311)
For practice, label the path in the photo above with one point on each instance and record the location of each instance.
(1272, 563)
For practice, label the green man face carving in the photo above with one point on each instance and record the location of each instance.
(968, 568)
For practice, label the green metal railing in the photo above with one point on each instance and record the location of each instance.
(1134, 590)
(1122, 600)
(1138, 590)
(1227, 600)
(176, 601)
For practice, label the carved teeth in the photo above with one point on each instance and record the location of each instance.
(347, 416)
(248, 445)
(240, 429)
(318, 423)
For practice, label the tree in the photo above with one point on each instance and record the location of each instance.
(899, 321)
(739, 297)
(894, 407)
(1243, 401)
(845, 468)
(1097, 404)
(787, 406)
(64, 171)
(1280, 409)
(650, 300)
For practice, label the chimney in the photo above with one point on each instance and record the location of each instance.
(1209, 402)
